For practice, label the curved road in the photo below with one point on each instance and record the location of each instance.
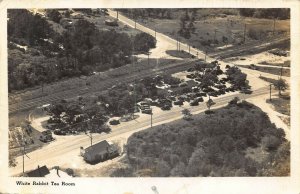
(56, 153)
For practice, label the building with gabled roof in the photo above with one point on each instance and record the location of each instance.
(39, 172)
(99, 152)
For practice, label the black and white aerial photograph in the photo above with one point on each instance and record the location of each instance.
(149, 92)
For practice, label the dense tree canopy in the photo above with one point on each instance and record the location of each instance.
(24, 25)
(206, 146)
(50, 56)
(278, 13)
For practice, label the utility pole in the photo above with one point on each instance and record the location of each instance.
(24, 154)
(274, 26)
(215, 35)
(117, 14)
(177, 43)
(271, 92)
(245, 33)
(205, 55)
(90, 136)
(148, 57)
(23, 160)
(151, 117)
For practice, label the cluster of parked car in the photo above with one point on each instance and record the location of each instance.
(145, 107)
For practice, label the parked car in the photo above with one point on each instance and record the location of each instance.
(199, 99)
(203, 94)
(166, 107)
(183, 84)
(114, 122)
(191, 76)
(172, 98)
(178, 102)
(214, 94)
(60, 132)
(147, 111)
(194, 103)
(246, 91)
(191, 69)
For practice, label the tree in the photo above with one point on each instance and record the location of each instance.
(280, 85)
(210, 103)
(246, 12)
(144, 42)
(184, 31)
(186, 114)
(54, 15)
(234, 101)
(208, 79)
(67, 14)
(270, 142)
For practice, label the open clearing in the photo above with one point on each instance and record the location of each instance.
(231, 27)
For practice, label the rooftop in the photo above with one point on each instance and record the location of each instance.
(96, 148)
(39, 172)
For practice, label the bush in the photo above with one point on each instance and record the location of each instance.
(254, 34)
(70, 171)
(144, 42)
(208, 112)
(270, 142)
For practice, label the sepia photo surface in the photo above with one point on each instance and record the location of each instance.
(182, 92)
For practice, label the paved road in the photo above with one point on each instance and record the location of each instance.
(56, 152)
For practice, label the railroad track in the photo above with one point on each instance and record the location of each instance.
(28, 104)
(248, 47)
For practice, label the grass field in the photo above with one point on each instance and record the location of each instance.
(284, 64)
(271, 70)
(281, 105)
(214, 28)
(179, 54)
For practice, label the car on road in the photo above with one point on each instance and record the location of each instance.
(246, 91)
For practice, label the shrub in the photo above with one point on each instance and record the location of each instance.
(208, 112)
(70, 171)
(144, 42)
(270, 142)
